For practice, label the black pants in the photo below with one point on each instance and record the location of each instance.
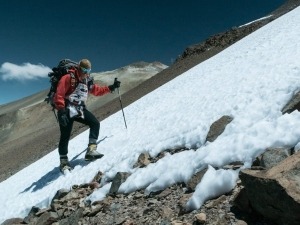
(65, 132)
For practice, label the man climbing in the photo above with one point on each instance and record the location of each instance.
(70, 101)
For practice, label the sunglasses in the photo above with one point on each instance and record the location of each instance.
(84, 70)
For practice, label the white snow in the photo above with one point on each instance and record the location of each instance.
(263, 18)
(251, 81)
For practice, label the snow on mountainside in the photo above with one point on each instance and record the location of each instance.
(136, 72)
(272, 92)
(250, 81)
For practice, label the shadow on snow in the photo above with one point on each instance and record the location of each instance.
(55, 172)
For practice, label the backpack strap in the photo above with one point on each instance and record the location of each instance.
(73, 80)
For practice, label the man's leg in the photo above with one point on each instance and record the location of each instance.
(65, 133)
(94, 125)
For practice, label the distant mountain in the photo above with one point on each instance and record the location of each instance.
(130, 77)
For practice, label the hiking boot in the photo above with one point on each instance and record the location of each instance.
(91, 153)
(64, 164)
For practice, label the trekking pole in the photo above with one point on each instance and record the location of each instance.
(121, 105)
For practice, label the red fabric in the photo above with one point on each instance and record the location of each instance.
(64, 89)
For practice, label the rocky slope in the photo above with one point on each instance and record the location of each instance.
(167, 207)
(275, 175)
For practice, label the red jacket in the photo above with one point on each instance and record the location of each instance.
(64, 89)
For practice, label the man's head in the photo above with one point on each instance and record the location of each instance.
(85, 66)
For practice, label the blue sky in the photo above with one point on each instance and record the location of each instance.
(111, 34)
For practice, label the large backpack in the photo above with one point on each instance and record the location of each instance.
(63, 68)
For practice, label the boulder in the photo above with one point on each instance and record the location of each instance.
(217, 128)
(293, 104)
(272, 156)
(275, 193)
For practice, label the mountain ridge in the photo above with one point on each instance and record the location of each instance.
(141, 90)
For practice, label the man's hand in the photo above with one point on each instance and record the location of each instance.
(62, 117)
(115, 85)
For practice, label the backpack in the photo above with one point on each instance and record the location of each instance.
(57, 73)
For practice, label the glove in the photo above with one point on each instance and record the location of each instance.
(115, 85)
(62, 117)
